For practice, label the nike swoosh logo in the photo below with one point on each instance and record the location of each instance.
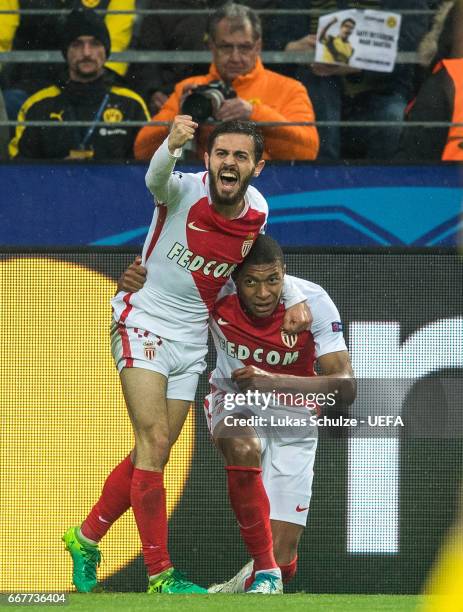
(299, 509)
(103, 520)
(222, 322)
(248, 526)
(192, 226)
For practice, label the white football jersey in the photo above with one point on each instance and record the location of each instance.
(190, 252)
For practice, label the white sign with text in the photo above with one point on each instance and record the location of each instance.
(366, 40)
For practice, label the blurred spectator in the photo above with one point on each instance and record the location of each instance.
(4, 132)
(440, 98)
(164, 32)
(9, 25)
(342, 93)
(444, 587)
(235, 40)
(43, 32)
(444, 39)
(174, 32)
(88, 95)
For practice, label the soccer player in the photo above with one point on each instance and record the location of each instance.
(203, 226)
(270, 470)
(269, 473)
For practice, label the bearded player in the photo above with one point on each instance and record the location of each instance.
(269, 476)
(203, 226)
(270, 471)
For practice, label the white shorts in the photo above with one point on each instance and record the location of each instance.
(287, 463)
(180, 362)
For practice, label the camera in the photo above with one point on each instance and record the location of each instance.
(205, 100)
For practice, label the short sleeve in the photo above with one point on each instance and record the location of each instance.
(327, 327)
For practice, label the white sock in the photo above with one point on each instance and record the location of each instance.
(86, 540)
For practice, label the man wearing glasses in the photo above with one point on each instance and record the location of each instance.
(235, 41)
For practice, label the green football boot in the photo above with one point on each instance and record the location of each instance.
(85, 558)
(172, 581)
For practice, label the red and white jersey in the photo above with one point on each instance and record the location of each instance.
(241, 339)
(190, 252)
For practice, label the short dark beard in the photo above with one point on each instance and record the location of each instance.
(218, 200)
(87, 77)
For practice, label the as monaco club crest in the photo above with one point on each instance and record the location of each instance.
(289, 340)
(247, 244)
(150, 349)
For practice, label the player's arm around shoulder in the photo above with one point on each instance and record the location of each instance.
(133, 278)
(330, 347)
(160, 179)
(331, 353)
(298, 316)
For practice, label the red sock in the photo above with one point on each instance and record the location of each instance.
(114, 501)
(289, 571)
(252, 509)
(148, 497)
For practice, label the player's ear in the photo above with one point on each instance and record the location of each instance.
(260, 166)
(206, 160)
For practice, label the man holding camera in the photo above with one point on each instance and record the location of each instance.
(247, 91)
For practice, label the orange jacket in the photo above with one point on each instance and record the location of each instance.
(274, 98)
(453, 150)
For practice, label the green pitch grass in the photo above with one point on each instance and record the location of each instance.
(140, 602)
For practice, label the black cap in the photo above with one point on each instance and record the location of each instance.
(85, 22)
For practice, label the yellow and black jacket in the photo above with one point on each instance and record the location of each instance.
(79, 102)
(43, 32)
(8, 25)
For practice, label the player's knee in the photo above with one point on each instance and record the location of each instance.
(156, 445)
(242, 451)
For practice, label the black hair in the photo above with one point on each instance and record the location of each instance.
(237, 14)
(349, 20)
(265, 250)
(237, 126)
